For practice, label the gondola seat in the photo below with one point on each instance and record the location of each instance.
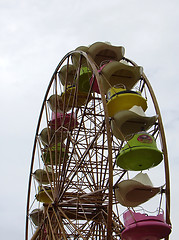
(56, 103)
(47, 136)
(63, 121)
(140, 226)
(101, 51)
(78, 59)
(116, 72)
(128, 122)
(69, 98)
(119, 99)
(84, 79)
(44, 196)
(135, 191)
(67, 70)
(51, 156)
(42, 177)
(139, 153)
(37, 216)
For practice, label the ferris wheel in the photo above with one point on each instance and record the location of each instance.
(99, 167)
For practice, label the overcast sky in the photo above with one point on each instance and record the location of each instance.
(35, 35)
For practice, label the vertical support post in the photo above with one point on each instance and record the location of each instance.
(110, 164)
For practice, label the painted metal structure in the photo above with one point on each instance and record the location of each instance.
(82, 202)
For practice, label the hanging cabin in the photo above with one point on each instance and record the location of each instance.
(44, 194)
(101, 52)
(126, 123)
(47, 136)
(51, 156)
(139, 153)
(115, 73)
(66, 120)
(119, 99)
(135, 191)
(140, 226)
(42, 176)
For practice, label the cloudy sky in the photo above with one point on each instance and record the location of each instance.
(35, 35)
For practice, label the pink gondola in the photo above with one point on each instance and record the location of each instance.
(93, 80)
(66, 120)
(143, 227)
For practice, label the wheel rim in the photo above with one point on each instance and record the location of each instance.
(81, 199)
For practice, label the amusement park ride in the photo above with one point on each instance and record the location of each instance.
(99, 141)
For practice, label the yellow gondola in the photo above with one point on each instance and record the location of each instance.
(120, 99)
(44, 196)
(68, 97)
